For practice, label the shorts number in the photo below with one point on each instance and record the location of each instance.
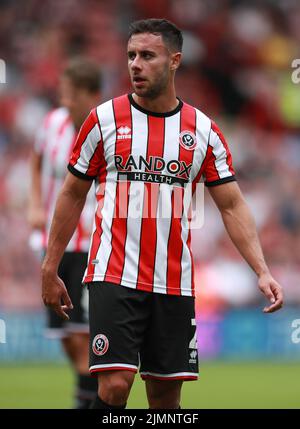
(193, 342)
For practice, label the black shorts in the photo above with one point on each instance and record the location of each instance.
(131, 328)
(71, 270)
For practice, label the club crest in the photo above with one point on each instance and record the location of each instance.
(187, 140)
(100, 344)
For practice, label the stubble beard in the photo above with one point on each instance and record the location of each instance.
(156, 89)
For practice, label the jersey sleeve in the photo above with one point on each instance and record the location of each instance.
(218, 166)
(87, 157)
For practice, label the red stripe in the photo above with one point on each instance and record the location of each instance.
(204, 168)
(155, 147)
(188, 123)
(175, 245)
(211, 172)
(97, 160)
(208, 165)
(96, 238)
(85, 129)
(216, 129)
(122, 111)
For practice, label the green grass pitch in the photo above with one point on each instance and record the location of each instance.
(221, 385)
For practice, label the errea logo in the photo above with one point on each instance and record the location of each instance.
(193, 356)
(123, 133)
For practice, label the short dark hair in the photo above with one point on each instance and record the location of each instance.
(83, 73)
(171, 34)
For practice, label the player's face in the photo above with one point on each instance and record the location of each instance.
(78, 101)
(151, 65)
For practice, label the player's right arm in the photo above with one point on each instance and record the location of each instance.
(85, 164)
(237, 218)
(69, 205)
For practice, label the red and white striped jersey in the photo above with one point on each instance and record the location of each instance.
(54, 142)
(142, 162)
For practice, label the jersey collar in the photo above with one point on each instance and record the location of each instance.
(159, 115)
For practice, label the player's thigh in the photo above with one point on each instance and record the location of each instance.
(170, 349)
(119, 317)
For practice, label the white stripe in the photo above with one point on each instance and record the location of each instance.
(220, 153)
(186, 260)
(135, 209)
(93, 190)
(163, 223)
(203, 126)
(88, 149)
(175, 374)
(106, 119)
(113, 365)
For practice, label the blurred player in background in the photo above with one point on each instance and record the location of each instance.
(140, 268)
(79, 92)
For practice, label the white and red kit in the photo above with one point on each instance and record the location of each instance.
(142, 163)
(54, 142)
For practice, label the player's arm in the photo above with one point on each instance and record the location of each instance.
(84, 165)
(241, 228)
(36, 212)
(69, 205)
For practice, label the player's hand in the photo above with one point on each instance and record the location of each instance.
(54, 294)
(36, 217)
(272, 290)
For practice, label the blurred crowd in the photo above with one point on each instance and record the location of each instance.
(237, 68)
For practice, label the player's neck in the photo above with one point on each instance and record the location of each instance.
(161, 104)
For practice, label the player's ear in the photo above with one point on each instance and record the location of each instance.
(175, 61)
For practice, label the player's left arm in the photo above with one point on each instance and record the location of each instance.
(241, 228)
